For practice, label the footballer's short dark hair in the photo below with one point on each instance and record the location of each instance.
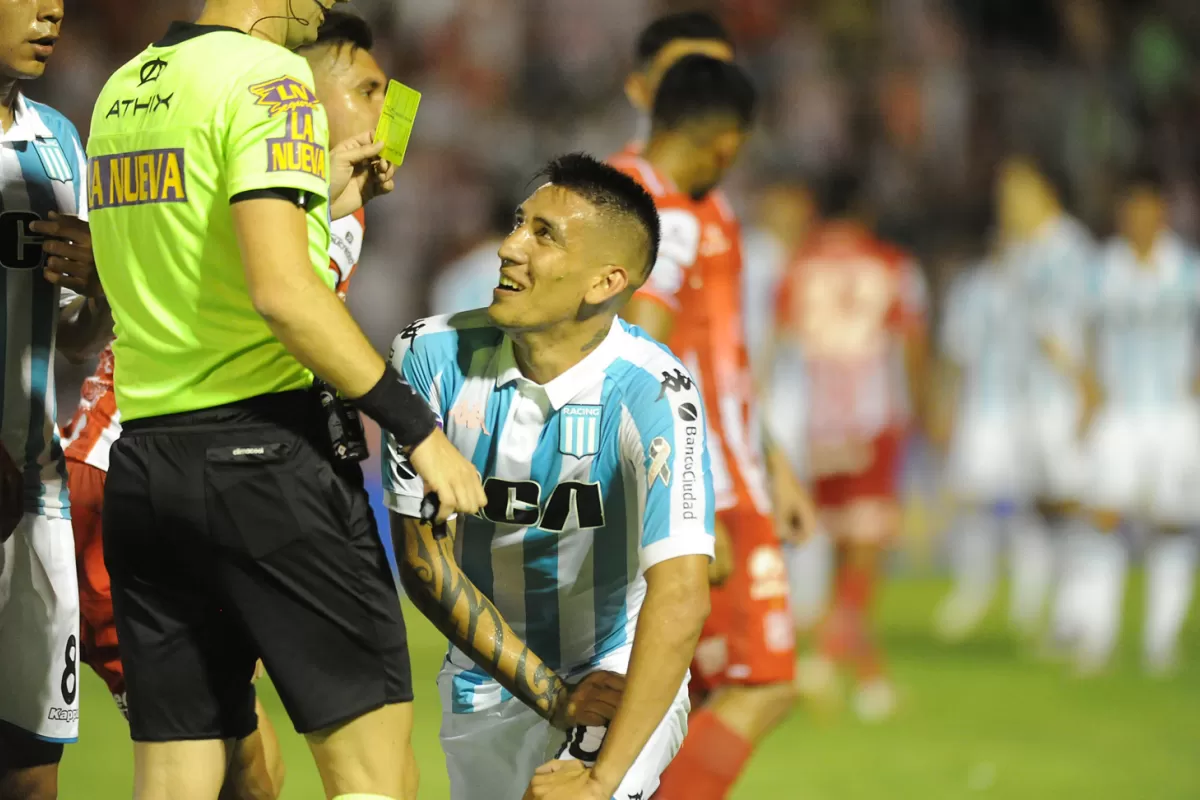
(344, 29)
(1144, 174)
(672, 27)
(611, 191)
(841, 194)
(698, 87)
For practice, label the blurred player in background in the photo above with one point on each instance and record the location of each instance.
(1053, 256)
(786, 215)
(1142, 456)
(853, 308)
(351, 86)
(702, 116)
(595, 543)
(985, 350)
(52, 300)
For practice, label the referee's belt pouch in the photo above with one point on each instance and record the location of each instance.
(251, 490)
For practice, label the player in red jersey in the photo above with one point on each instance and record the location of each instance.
(351, 87)
(852, 308)
(692, 301)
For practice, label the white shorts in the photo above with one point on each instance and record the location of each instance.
(492, 754)
(1146, 462)
(39, 629)
(991, 458)
(1060, 466)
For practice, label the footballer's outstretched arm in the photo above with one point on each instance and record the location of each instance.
(668, 629)
(437, 586)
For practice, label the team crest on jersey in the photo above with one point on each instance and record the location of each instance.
(579, 431)
(53, 159)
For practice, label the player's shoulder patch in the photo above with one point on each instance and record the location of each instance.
(63, 149)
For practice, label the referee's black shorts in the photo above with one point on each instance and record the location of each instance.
(230, 535)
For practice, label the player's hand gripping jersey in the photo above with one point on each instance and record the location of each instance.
(591, 479)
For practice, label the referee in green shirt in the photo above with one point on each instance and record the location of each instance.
(235, 527)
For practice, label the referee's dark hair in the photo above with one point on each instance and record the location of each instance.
(611, 191)
(700, 89)
(672, 27)
(344, 29)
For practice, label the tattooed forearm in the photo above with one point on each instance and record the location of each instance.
(440, 590)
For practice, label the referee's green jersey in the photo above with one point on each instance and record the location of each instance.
(199, 117)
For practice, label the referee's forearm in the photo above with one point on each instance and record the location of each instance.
(315, 327)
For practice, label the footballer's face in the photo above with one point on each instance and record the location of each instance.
(351, 86)
(1022, 195)
(28, 31)
(555, 264)
(641, 86)
(1142, 216)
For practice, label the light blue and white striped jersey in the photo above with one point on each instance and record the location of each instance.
(1055, 268)
(41, 170)
(1145, 318)
(591, 479)
(986, 333)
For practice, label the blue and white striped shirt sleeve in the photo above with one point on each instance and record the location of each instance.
(403, 489)
(663, 439)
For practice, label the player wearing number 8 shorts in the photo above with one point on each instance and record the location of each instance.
(41, 170)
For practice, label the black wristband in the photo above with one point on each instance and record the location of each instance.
(398, 409)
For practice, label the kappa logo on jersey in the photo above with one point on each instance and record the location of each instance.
(53, 159)
(298, 149)
(674, 383)
(134, 179)
(660, 454)
(470, 416)
(579, 431)
(410, 333)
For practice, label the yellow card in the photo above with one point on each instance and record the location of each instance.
(396, 122)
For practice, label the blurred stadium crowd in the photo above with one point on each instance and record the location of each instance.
(921, 97)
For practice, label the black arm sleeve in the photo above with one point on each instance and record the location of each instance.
(296, 196)
(398, 409)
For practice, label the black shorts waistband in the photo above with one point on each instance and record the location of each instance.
(297, 410)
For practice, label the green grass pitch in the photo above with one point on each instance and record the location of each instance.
(979, 720)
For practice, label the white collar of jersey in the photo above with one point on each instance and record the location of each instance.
(27, 124)
(566, 387)
(1167, 255)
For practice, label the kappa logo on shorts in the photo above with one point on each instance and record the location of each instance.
(579, 431)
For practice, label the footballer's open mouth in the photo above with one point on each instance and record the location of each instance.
(44, 46)
(508, 286)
